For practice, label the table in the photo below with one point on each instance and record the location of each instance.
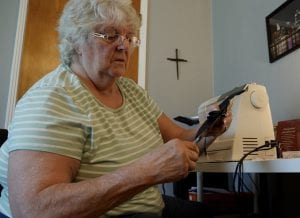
(291, 165)
(249, 166)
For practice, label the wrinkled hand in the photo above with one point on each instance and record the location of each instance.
(172, 161)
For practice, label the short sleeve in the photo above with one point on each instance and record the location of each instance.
(47, 119)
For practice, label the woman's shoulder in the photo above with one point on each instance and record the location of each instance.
(59, 77)
(58, 83)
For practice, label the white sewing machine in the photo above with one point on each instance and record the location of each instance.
(251, 126)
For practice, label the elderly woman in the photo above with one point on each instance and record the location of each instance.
(87, 142)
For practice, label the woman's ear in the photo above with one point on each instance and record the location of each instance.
(78, 49)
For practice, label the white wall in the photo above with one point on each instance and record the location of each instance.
(8, 24)
(185, 25)
(241, 55)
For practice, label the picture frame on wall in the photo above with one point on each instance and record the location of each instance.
(283, 30)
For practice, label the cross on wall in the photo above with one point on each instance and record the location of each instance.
(177, 60)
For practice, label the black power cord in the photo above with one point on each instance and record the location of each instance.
(239, 167)
(238, 173)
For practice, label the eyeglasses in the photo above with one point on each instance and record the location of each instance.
(112, 38)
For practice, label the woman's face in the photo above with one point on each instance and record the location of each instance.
(103, 58)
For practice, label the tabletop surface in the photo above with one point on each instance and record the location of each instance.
(291, 165)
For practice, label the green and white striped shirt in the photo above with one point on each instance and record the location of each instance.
(59, 115)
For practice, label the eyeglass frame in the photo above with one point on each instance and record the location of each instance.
(133, 40)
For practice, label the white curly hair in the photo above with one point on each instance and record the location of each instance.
(79, 17)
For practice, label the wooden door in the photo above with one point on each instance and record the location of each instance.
(40, 48)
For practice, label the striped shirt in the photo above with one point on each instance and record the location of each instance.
(59, 115)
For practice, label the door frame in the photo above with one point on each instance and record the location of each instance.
(16, 61)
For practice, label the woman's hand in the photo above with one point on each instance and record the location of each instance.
(171, 161)
(222, 124)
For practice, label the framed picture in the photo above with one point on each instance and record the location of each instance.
(283, 29)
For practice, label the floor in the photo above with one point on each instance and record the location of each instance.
(238, 216)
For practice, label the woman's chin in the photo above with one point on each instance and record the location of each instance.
(117, 74)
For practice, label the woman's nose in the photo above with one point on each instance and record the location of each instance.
(123, 42)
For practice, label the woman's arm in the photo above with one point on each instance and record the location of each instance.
(41, 184)
(169, 129)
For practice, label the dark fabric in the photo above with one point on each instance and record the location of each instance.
(177, 208)
(3, 216)
(3, 135)
(139, 215)
(181, 187)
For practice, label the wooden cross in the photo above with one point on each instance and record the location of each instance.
(177, 60)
